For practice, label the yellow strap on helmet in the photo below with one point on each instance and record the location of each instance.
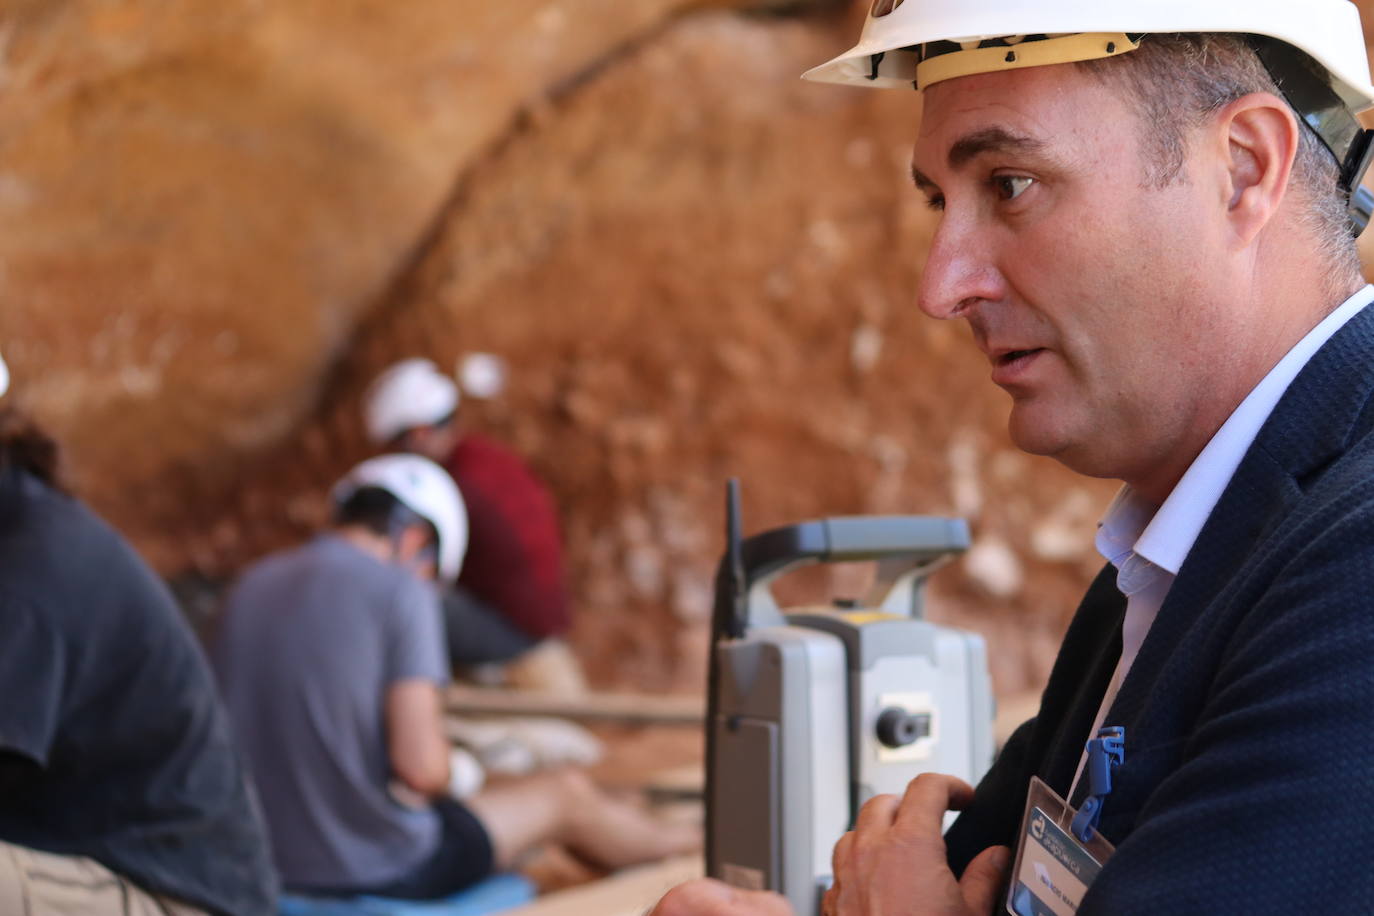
(1062, 49)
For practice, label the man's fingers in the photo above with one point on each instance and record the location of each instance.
(694, 898)
(927, 798)
(984, 879)
(708, 897)
(840, 853)
(876, 814)
(760, 903)
(830, 902)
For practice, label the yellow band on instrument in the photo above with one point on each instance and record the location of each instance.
(859, 618)
(1061, 50)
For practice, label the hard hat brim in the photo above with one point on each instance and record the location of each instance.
(1329, 32)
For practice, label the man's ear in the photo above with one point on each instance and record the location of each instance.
(1260, 133)
(411, 542)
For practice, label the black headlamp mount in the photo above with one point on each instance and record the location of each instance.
(1307, 87)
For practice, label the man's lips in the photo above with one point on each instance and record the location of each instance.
(1010, 356)
(1010, 367)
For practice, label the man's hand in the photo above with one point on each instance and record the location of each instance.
(893, 861)
(708, 897)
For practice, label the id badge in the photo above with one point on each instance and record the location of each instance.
(1053, 870)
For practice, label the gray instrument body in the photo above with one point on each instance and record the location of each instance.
(814, 711)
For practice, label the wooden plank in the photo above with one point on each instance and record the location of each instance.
(682, 783)
(626, 893)
(657, 709)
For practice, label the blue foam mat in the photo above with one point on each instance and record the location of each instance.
(494, 895)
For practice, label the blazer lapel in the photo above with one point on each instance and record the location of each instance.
(1321, 412)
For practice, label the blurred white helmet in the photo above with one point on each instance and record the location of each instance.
(483, 375)
(425, 489)
(4, 377)
(408, 395)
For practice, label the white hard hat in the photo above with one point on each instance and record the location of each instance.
(483, 375)
(917, 43)
(425, 489)
(1328, 30)
(410, 394)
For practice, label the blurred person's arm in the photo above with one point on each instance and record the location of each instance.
(416, 747)
(417, 671)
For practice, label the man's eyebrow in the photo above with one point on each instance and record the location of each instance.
(990, 140)
(922, 182)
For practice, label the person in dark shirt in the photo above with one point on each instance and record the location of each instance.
(511, 601)
(120, 789)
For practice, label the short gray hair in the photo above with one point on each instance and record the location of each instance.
(1177, 80)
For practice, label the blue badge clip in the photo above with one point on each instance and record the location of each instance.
(1105, 752)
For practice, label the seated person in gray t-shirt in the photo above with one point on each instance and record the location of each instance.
(331, 658)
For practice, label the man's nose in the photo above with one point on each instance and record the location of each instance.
(960, 272)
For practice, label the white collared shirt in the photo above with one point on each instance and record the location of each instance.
(1148, 547)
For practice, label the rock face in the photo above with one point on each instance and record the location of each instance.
(221, 222)
(201, 200)
(666, 335)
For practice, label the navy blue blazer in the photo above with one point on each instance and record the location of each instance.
(1248, 783)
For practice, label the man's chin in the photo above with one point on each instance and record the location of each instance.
(1032, 433)
(1040, 432)
(1080, 454)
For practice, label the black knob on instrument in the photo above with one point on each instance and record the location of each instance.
(898, 727)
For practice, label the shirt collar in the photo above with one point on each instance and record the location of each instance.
(1117, 537)
(1166, 539)
(1122, 525)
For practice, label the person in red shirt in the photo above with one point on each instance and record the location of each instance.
(511, 601)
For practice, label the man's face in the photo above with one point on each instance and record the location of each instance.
(1089, 290)
(415, 549)
(434, 442)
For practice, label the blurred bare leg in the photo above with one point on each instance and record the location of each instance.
(564, 806)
